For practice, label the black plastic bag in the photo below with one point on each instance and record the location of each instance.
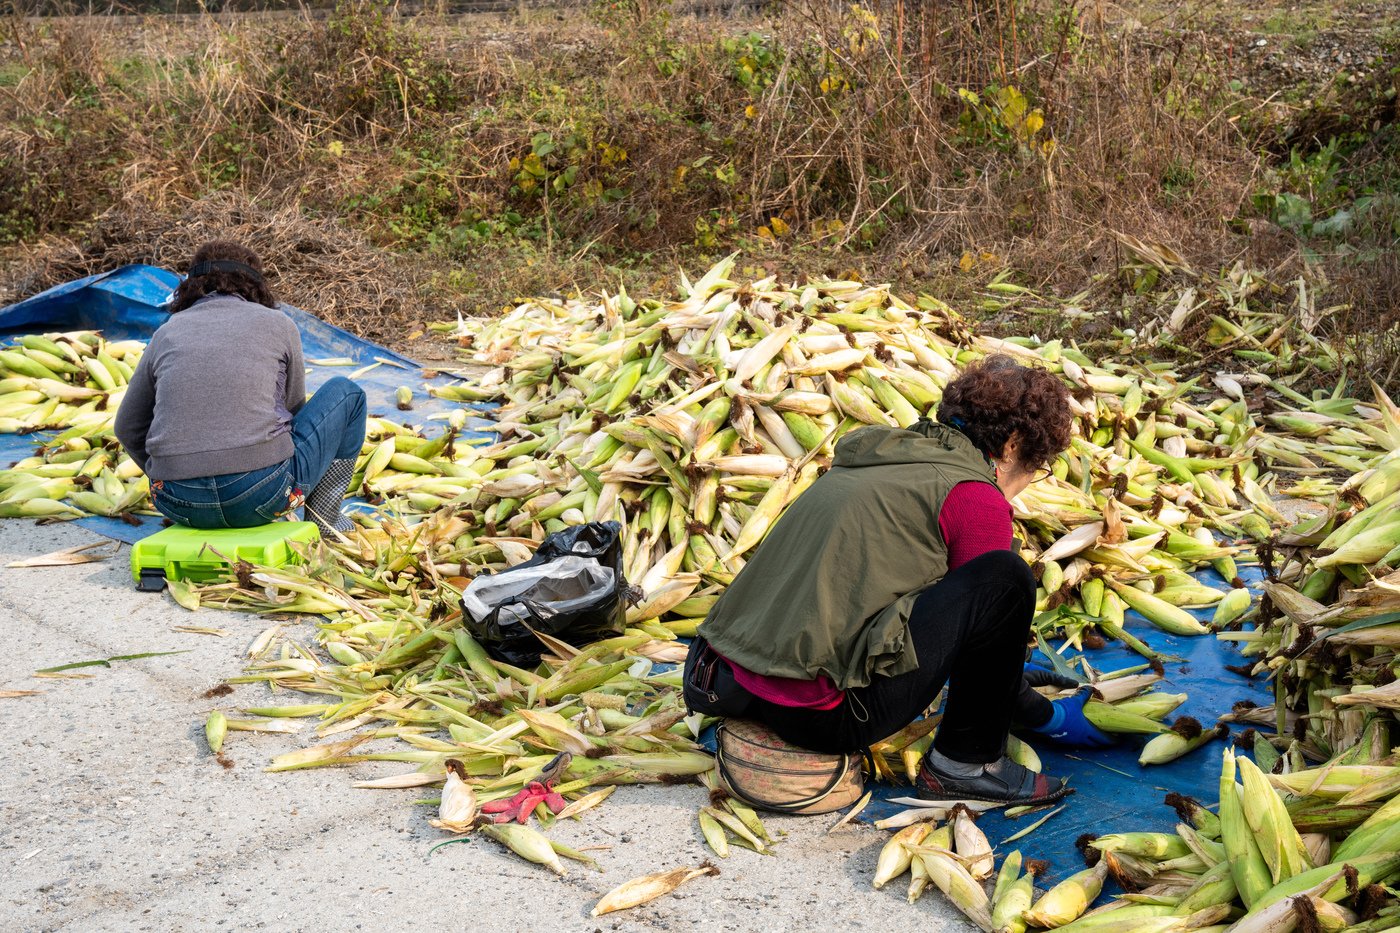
(573, 589)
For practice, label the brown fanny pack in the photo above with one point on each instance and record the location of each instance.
(764, 771)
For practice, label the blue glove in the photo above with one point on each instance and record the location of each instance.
(1039, 676)
(1068, 726)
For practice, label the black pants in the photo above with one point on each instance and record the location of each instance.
(969, 631)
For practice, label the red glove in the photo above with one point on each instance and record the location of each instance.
(523, 804)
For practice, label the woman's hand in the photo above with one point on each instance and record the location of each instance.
(1069, 726)
(1039, 676)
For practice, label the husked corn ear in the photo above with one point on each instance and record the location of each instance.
(648, 888)
(895, 856)
(1068, 900)
(1186, 736)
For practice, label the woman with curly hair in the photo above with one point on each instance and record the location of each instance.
(895, 574)
(216, 412)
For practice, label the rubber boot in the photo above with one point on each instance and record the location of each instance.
(323, 504)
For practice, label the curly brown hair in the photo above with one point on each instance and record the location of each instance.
(225, 281)
(998, 398)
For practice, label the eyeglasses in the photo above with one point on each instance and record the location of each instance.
(1039, 474)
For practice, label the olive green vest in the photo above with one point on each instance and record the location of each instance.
(830, 588)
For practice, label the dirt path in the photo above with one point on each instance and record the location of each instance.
(117, 817)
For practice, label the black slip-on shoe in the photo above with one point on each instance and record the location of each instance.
(1002, 781)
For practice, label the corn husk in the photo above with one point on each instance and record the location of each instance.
(648, 888)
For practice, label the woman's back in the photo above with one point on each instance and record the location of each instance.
(221, 381)
(829, 589)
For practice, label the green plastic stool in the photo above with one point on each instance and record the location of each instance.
(181, 553)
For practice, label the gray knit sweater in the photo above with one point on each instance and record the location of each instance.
(214, 392)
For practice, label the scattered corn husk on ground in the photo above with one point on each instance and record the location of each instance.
(648, 888)
(457, 809)
(731, 822)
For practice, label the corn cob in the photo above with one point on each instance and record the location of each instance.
(648, 888)
(1251, 872)
(1068, 900)
(1186, 736)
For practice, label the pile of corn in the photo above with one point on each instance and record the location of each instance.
(71, 383)
(1306, 834)
(1311, 849)
(694, 423)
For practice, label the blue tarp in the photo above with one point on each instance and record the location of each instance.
(1113, 793)
(128, 303)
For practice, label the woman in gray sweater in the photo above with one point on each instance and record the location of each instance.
(216, 412)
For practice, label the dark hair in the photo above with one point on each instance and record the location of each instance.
(992, 400)
(227, 280)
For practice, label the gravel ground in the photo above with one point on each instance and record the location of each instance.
(117, 817)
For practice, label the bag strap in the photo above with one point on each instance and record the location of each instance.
(784, 807)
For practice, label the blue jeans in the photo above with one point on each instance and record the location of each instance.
(330, 426)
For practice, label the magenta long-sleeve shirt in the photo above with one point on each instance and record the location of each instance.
(975, 519)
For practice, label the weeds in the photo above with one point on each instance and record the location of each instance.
(910, 142)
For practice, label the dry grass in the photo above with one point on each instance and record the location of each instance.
(311, 262)
(382, 165)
